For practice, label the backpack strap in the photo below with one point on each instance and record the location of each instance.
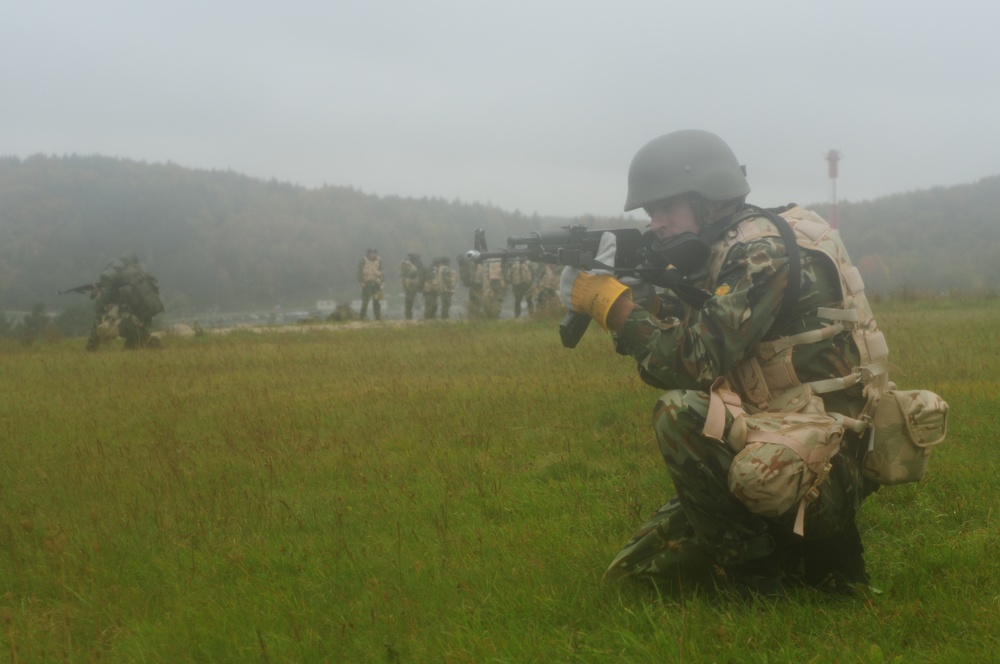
(791, 296)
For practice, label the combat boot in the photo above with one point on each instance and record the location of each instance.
(760, 578)
(836, 564)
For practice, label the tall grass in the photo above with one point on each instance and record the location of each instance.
(439, 492)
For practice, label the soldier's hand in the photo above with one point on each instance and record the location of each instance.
(595, 293)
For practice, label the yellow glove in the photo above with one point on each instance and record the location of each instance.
(595, 294)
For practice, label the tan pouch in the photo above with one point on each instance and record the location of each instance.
(782, 455)
(908, 424)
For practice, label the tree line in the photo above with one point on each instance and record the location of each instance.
(221, 240)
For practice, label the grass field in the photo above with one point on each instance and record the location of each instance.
(438, 493)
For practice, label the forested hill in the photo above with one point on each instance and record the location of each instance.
(213, 239)
(220, 239)
(934, 240)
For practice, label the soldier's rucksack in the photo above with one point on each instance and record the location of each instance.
(139, 292)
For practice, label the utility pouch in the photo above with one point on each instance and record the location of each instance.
(907, 425)
(784, 455)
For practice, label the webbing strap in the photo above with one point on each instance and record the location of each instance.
(808, 337)
(834, 384)
(721, 399)
(791, 295)
(849, 315)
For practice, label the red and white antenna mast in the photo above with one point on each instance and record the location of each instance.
(832, 158)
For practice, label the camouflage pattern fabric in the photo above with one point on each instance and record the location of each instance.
(412, 280)
(665, 541)
(548, 286)
(494, 288)
(116, 321)
(908, 424)
(684, 355)
(371, 292)
(471, 274)
(449, 280)
(125, 305)
(522, 293)
(521, 277)
(106, 327)
(371, 278)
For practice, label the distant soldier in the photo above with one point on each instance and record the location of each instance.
(448, 281)
(548, 286)
(521, 275)
(432, 287)
(411, 273)
(494, 287)
(471, 274)
(126, 298)
(371, 278)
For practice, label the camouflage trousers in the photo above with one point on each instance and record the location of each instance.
(409, 298)
(371, 291)
(445, 304)
(522, 292)
(492, 299)
(706, 523)
(474, 308)
(114, 323)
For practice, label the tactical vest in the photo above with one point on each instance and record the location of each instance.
(410, 275)
(448, 280)
(432, 280)
(493, 270)
(520, 273)
(770, 371)
(371, 271)
(471, 274)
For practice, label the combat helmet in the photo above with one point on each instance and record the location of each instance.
(681, 162)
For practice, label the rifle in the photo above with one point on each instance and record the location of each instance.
(637, 255)
(84, 288)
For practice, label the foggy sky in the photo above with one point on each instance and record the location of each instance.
(531, 106)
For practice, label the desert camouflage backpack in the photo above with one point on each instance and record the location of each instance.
(903, 427)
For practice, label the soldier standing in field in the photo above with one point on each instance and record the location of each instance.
(448, 280)
(411, 274)
(371, 278)
(432, 288)
(494, 287)
(471, 274)
(548, 286)
(521, 275)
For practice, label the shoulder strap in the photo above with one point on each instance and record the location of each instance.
(791, 295)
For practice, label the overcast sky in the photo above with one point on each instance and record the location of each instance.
(529, 105)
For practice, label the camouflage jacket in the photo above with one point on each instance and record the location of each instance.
(447, 278)
(124, 283)
(432, 279)
(411, 276)
(520, 273)
(549, 279)
(689, 348)
(370, 271)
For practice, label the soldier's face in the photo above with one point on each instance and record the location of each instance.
(670, 218)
